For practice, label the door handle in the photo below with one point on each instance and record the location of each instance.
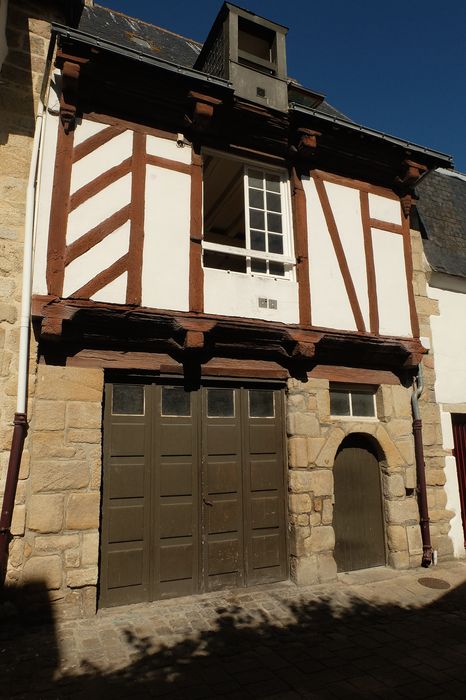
(207, 503)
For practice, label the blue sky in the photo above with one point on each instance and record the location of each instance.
(398, 66)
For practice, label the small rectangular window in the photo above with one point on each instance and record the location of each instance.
(354, 401)
(176, 401)
(220, 403)
(128, 400)
(261, 403)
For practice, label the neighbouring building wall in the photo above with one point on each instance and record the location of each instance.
(57, 513)
(449, 346)
(28, 32)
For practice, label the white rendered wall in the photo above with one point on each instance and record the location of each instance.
(449, 347)
(391, 283)
(449, 343)
(44, 194)
(330, 306)
(346, 208)
(236, 294)
(165, 272)
(385, 209)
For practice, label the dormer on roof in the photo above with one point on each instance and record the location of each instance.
(249, 51)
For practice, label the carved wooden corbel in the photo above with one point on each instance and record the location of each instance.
(305, 143)
(405, 184)
(69, 95)
(203, 111)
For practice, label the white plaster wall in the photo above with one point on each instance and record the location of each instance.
(449, 343)
(113, 293)
(101, 159)
(236, 294)
(391, 283)
(346, 208)
(85, 128)
(167, 148)
(97, 259)
(44, 192)
(449, 347)
(385, 209)
(330, 306)
(165, 272)
(98, 208)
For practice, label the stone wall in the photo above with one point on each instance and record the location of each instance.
(28, 33)
(57, 512)
(434, 451)
(314, 438)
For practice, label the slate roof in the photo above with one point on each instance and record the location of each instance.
(134, 33)
(442, 210)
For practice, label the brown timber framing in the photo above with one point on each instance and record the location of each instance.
(370, 267)
(99, 183)
(136, 239)
(339, 252)
(95, 141)
(298, 200)
(98, 233)
(196, 273)
(103, 278)
(408, 254)
(59, 212)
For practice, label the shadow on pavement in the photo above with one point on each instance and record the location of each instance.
(360, 650)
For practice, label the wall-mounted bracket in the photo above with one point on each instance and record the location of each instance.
(304, 143)
(203, 111)
(406, 182)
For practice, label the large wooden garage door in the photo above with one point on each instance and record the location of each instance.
(193, 490)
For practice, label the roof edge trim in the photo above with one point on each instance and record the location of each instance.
(352, 126)
(141, 56)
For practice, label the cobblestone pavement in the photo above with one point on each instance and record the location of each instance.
(374, 634)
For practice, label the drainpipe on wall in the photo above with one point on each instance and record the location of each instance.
(20, 419)
(418, 386)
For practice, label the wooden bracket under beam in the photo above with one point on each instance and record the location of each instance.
(203, 110)
(305, 143)
(406, 182)
(69, 95)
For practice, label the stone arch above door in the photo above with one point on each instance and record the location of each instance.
(314, 438)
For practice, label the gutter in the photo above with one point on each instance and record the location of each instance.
(20, 420)
(140, 56)
(443, 158)
(418, 386)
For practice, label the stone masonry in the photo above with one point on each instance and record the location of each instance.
(314, 438)
(434, 451)
(28, 33)
(57, 513)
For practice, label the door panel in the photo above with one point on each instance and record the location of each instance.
(264, 486)
(194, 491)
(358, 514)
(175, 548)
(222, 530)
(125, 533)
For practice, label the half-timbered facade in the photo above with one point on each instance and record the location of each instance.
(226, 322)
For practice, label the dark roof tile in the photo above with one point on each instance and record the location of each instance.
(442, 209)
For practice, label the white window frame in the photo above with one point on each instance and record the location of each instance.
(287, 257)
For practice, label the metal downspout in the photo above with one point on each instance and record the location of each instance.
(20, 419)
(418, 386)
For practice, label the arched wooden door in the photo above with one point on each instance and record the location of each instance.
(358, 513)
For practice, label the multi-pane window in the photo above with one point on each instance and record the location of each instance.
(264, 201)
(354, 401)
(246, 219)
